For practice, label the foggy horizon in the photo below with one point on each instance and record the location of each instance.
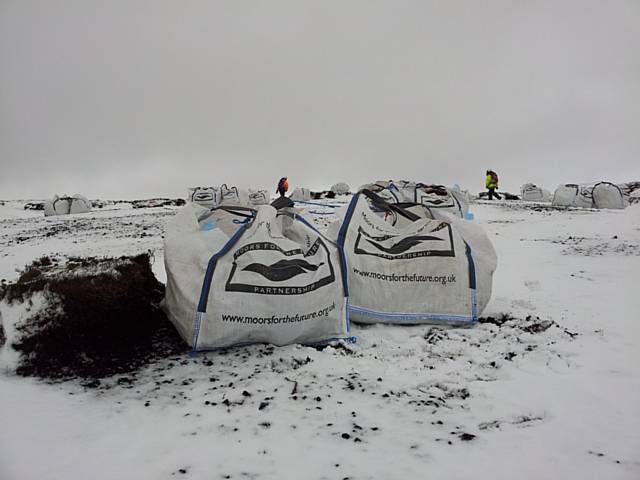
(136, 99)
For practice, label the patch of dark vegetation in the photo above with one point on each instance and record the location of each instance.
(158, 202)
(498, 320)
(529, 324)
(339, 346)
(102, 318)
(3, 337)
(538, 326)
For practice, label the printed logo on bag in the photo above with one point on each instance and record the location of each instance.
(258, 198)
(203, 195)
(435, 201)
(437, 242)
(271, 270)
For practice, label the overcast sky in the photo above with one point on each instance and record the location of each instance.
(126, 98)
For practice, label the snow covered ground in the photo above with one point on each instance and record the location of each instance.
(552, 391)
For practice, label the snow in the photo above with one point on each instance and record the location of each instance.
(560, 403)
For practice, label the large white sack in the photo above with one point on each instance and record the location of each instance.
(233, 196)
(79, 204)
(437, 198)
(301, 194)
(422, 271)
(272, 279)
(258, 197)
(462, 195)
(565, 195)
(340, 188)
(57, 206)
(608, 195)
(206, 196)
(532, 193)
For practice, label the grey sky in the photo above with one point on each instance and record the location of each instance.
(125, 98)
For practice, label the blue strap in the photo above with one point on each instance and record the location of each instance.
(206, 285)
(472, 282)
(342, 235)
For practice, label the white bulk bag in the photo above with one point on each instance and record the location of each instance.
(340, 188)
(423, 271)
(57, 206)
(437, 198)
(565, 195)
(258, 197)
(237, 276)
(206, 196)
(301, 194)
(79, 204)
(531, 193)
(233, 196)
(608, 195)
(572, 195)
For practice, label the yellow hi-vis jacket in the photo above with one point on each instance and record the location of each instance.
(489, 182)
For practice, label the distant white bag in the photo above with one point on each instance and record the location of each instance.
(565, 195)
(206, 196)
(233, 196)
(56, 206)
(235, 278)
(340, 188)
(79, 204)
(437, 198)
(301, 194)
(258, 197)
(66, 205)
(416, 271)
(573, 195)
(608, 195)
(532, 193)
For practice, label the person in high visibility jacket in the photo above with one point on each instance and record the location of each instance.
(491, 183)
(283, 186)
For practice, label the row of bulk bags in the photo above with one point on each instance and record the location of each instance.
(420, 270)
(210, 197)
(236, 275)
(601, 195)
(530, 192)
(436, 198)
(67, 205)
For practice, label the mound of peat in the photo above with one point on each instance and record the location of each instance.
(101, 318)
